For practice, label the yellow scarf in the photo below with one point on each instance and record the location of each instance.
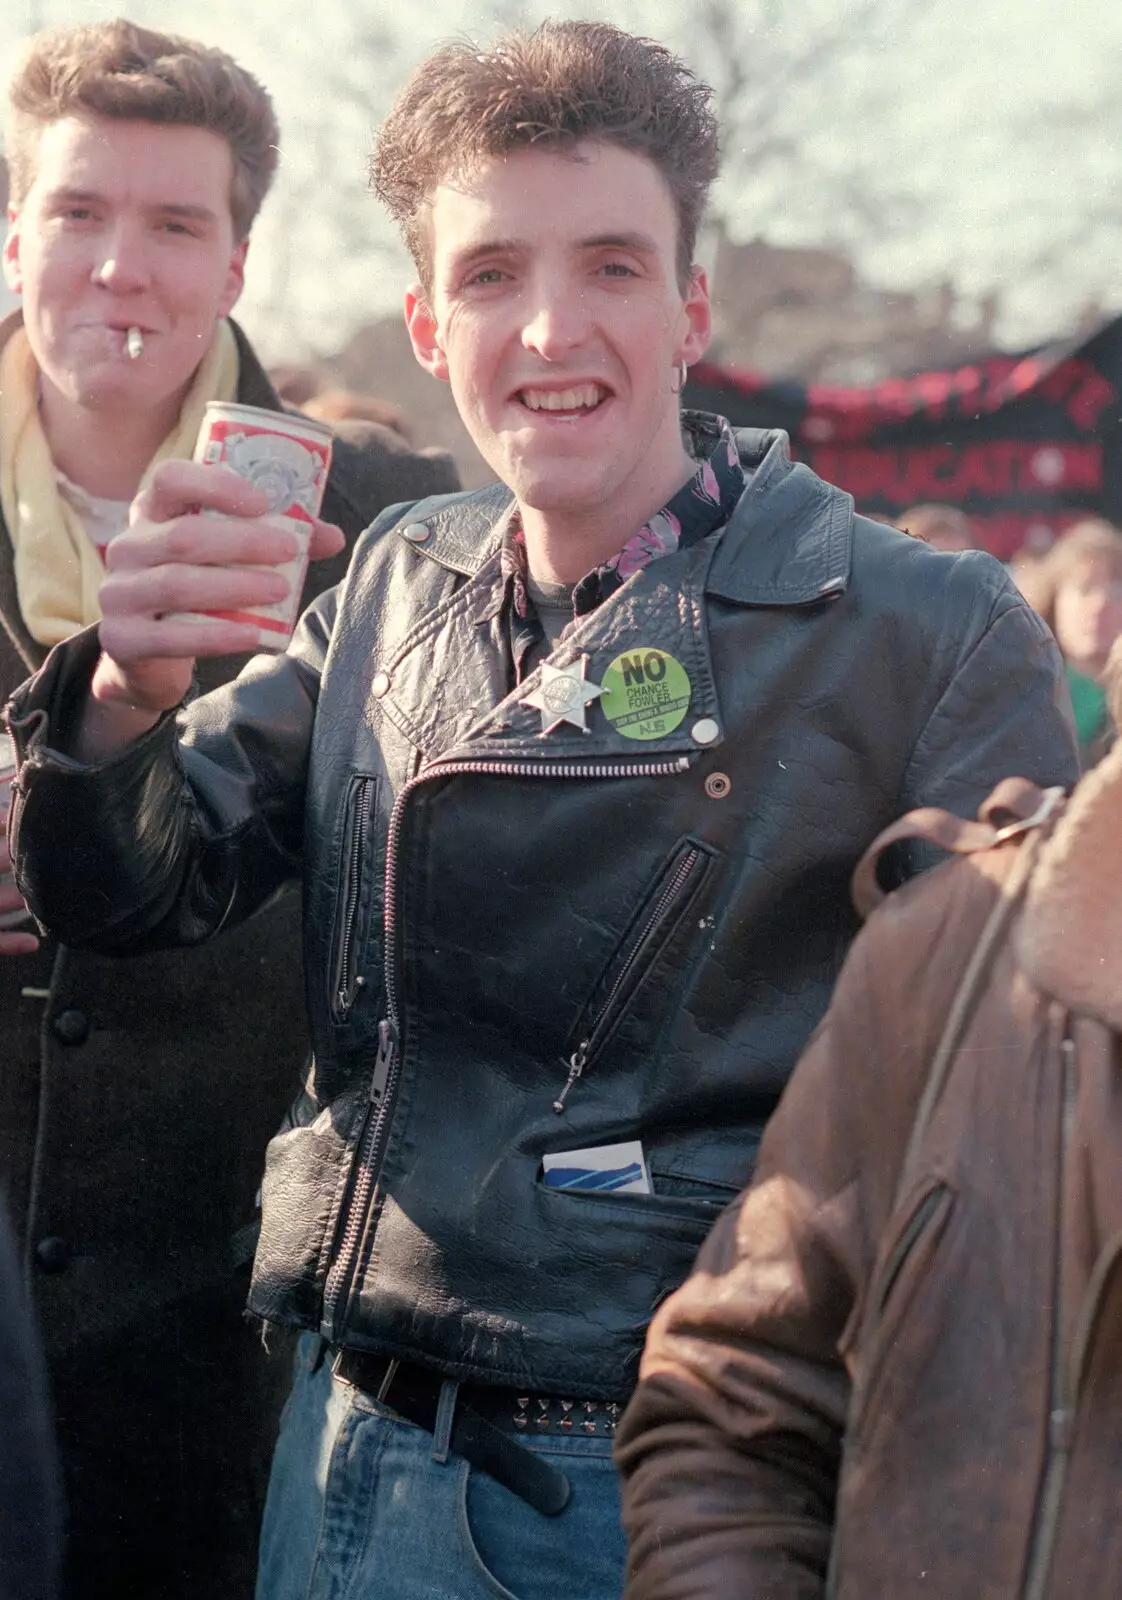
(57, 566)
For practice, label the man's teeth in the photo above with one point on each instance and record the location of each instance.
(584, 398)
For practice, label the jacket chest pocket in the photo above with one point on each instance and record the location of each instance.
(674, 891)
(357, 894)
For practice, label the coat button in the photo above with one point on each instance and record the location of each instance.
(416, 532)
(52, 1254)
(71, 1026)
(381, 685)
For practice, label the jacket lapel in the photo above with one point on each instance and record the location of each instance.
(788, 543)
(790, 540)
(449, 690)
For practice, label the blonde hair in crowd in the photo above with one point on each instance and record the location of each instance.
(1093, 542)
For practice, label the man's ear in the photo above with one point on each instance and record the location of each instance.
(235, 280)
(698, 313)
(13, 274)
(424, 335)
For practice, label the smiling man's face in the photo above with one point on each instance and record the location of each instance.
(127, 224)
(558, 320)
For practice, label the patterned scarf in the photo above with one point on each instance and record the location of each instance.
(700, 506)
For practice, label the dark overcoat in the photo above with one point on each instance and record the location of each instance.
(136, 1099)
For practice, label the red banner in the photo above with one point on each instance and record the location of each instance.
(1025, 445)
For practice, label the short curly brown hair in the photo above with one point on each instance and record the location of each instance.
(564, 82)
(117, 69)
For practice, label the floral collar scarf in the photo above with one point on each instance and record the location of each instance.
(700, 506)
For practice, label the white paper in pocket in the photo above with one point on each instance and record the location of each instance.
(604, 1169)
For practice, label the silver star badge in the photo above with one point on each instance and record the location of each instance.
(563, 695)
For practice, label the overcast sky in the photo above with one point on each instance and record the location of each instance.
(991, 119)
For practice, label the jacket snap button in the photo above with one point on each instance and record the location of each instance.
(705, 731)
(416, 532)
(718, 785)
(71, 1026)
(381, 685)
(52, 1254)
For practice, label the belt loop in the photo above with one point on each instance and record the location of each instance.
(387, 1380)
(442, 1427)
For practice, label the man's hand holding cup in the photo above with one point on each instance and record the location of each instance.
(202, 548)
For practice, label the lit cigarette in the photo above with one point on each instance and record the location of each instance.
(134, 344)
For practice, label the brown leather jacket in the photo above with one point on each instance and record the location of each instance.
(898, 1371)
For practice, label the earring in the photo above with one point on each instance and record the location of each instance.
(681, 372)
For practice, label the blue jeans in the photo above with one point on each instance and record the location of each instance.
(359, 1509)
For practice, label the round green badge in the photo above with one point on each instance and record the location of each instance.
(646, 693)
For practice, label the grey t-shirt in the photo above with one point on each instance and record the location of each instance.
(553, 603)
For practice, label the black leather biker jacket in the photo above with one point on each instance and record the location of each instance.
(491, 912)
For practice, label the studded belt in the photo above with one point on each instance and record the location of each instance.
(487, 1421)
(546, 1414)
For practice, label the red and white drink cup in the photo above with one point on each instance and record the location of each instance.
(287, 458)
(8, 919)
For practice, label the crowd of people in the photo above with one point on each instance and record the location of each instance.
(482, 975)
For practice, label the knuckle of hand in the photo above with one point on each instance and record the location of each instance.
(112, 638)
(178, 540)
(121, 552)
(167, 595)
(110, 595)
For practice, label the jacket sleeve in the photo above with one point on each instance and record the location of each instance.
(185, 831)
(730, 1450)
(1004, 710)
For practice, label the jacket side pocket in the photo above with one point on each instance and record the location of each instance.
(663, 907)
(904, 1263)
(354, 896)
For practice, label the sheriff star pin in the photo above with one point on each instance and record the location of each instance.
(563, 695)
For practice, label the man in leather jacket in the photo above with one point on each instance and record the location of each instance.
(134, 1211)
(574, 771)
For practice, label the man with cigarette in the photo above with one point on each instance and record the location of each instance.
(574, 770)
(136, 1097)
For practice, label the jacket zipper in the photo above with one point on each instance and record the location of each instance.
(1067, 1375)
(1061, 1399)
(604, 1019)
(370, 1148)
(358, 823)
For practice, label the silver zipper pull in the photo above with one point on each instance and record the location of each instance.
(383, 1061)
(576, 1067)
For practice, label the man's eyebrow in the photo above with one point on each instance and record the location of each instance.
(641, 243)
(487, 247)
(55, 195)
(192, 213)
